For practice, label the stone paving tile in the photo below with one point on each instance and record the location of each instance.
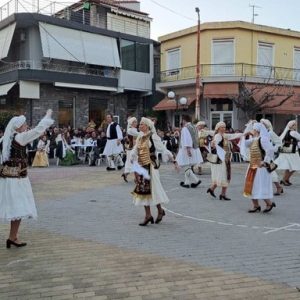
(59, 267)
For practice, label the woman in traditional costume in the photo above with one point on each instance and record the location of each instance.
(149, 191)
(277, 143)
(258, 183)
(221, 169)
(41, 155)
(16, 197)
(132, 134)
(289, 159)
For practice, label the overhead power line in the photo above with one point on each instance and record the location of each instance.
(173, 11)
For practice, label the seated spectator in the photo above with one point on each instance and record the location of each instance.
(41, 156)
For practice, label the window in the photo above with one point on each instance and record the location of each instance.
(265, 58)
(135, 56)
(65, 113)
(223, 57)
(221, 105)
(297, 63)
(173, 61)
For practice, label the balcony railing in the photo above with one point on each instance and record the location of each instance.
(235, 71)
(49, 66)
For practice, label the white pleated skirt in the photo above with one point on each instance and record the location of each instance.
(112, 148)
(16, 199)
(158, 194)
(183, 159)
(219, 174)
(288, 161)
(262, 185)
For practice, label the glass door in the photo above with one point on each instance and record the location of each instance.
(221, 116)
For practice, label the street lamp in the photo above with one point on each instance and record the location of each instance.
(179, 101)
(197, 104)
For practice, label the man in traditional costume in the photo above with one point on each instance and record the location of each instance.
(148, 190)
(289, 159)
(189, 153)
(16, 197)
(132, 134)
(277, 143)
(258, 183)
(113, 147)
(221, 167)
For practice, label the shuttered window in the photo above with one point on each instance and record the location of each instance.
(297, 63)
(173, 61)
(223, 57)
(265, 57)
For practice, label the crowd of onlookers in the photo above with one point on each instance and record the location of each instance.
(71, 146)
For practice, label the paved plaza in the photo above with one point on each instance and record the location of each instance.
(87, 243)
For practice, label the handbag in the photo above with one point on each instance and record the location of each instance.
(271, 166)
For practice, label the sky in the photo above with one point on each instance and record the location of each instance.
(173, 15)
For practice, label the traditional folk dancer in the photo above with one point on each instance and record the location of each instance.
(41, 155)
(132, 134)
(16, 197)
(277, 143)
(221, 169)
(289, 159)
(189, 153)
(204, 136)
(258, 183)
(113, 147)
(149, 191)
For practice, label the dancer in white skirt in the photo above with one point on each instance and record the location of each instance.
(189, 153)
(132, 134)
(289, 159)
(277, 143)
(16, 197)
(148, 191)
(113, 147)
(221, 169)
(258, 182)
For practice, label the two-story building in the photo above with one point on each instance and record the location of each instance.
(82, 61)
(233, 56)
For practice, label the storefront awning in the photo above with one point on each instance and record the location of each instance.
(79, 46)
(6, 36)
(85, 86)
(5, 88)
(221, 90)
(168, 104)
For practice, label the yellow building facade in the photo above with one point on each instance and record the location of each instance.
(231, 53)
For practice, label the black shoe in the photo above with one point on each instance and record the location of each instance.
(286, 183)
(159, 217)
(110, 169)
(146, 221)
(194, 185)
(124, 177)
(18, 245)
(279, 193)
(255, 209)
(120, 167)
(269, 208)
(211, 192)
(184, 185)
(222, 197)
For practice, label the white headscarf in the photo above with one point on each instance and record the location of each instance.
(263, 132)
(267, 123)
(288, 127)
(10, 130)
(200, 123)
(130, 121)
(220, 124)
(149, 123)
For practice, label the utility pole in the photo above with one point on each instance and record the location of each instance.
(253, 12)
(197, 104)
